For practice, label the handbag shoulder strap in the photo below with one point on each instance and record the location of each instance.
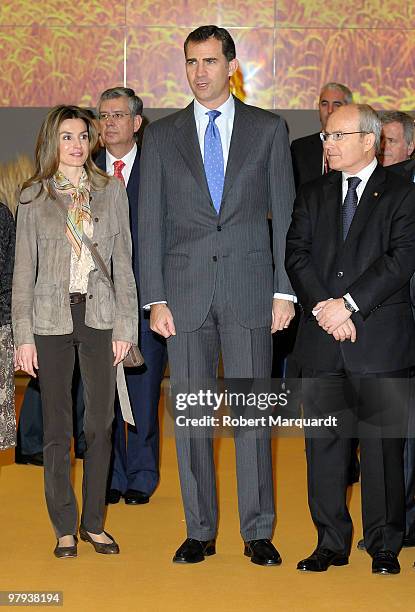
(90, 245)
(98, 259)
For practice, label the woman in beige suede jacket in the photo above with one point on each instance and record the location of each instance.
(62, 302)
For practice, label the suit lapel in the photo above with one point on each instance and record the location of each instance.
(243, 133)
(133, 181)
(97, 196)
(332, 189)
(98, 206)
(187, 142)
(101, 161)
(314, 156)
(367, 204)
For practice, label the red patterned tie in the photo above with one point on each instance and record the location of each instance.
(118, 166)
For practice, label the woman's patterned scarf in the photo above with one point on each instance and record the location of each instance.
(80, 209)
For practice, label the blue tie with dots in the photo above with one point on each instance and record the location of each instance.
(350, 204)
(213, 160)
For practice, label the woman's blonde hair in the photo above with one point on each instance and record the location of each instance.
(47, 149)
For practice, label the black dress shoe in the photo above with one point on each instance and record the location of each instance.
(63, 552)
(321, 559)
(134, 497)
(194, 551)
(361, 545)
(262, 552)
(385, 562)
(113, 496)
(106, 549)
(35, 459)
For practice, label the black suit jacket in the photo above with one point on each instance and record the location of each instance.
(374, 265)
(183, 240)
(405, 169)
(307, 157)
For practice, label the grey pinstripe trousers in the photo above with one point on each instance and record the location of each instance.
(193, 357)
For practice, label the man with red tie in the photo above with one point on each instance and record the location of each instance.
(134, 471)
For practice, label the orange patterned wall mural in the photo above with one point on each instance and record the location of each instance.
(53, 51)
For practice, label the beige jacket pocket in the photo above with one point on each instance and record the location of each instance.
(46, 307)
(105, 303)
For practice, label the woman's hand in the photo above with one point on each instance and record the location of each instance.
(120, 350)
(25, 358)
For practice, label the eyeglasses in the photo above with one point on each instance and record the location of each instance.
(115, 116)
(325, 136)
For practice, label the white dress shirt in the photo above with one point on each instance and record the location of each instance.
(128, 160)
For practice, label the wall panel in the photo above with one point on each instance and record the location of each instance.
(45, 66)
(54, 51)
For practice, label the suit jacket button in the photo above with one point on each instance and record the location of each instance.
(214, 258)
(95, 244)
(219, 228)
(90, 296)
(340, 274)
(96, 219)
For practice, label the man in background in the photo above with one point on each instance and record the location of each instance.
(134, 472)
(307, 152)
(397, 141)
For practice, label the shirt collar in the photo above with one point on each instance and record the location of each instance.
(364, 174)
(226, 109)
(128, 159)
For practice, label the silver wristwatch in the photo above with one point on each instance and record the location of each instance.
(349, 306)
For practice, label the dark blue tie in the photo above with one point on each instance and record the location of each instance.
(213, 160)
(350, 204)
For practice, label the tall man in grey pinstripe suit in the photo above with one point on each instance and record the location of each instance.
(206, 272)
